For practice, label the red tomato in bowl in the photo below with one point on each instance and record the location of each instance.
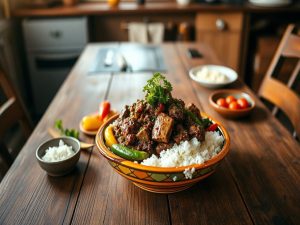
(234, 105)
(222, 102)
(230, 99)
(243, 103)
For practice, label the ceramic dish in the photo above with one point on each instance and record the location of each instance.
(62, 167)
(229, 73)
(231, 113)
(160, 179)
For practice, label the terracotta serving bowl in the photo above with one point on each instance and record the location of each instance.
(160, 179)
(231, 113)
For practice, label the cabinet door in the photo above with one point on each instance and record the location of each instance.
(221, 31)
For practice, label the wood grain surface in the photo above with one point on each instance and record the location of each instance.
(264, 158)
(124, 8)
(258, 183)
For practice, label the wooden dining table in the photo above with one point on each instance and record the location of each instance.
(257, 183)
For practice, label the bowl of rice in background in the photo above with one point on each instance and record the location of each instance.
(175, 169)
(213, 76)
(58, 156)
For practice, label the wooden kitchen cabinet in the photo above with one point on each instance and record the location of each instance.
(223, 32)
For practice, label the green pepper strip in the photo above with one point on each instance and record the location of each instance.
(129, 153)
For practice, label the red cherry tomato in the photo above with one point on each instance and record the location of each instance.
(234, 105)
(104, 109)
(222, 102)
(212, 127)
(243, 103)
(161, 107)
(230, 99)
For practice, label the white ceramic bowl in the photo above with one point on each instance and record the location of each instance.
(230, 73)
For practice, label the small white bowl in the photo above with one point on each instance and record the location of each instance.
(230, 73)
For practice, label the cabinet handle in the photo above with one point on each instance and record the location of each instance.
(221, 24)
(56, 34)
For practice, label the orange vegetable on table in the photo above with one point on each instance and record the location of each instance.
(104, 109)
(91, 122)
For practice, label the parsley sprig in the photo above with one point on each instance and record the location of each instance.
(67, 132)
(158, 90)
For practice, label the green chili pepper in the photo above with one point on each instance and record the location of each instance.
(129, 153)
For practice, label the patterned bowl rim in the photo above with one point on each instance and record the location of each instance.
(104, 150)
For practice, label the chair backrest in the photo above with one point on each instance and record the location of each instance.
(275, 91)
(11, 113)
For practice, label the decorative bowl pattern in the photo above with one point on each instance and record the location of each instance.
(160, 179)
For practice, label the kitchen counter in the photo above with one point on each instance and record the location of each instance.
(239, 21)
(159, 7)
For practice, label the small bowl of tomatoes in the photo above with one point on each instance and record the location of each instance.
(232, 103)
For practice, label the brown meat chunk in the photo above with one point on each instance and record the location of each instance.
(191, 107)
(130, 139)
(197, 131)
(176, 111)
(129, 126)
(145, 146)
(163, 146)
(139, 106)
(125, 112)
(180, 134)
(162, 129)
(143, 135)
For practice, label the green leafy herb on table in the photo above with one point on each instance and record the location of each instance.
(158, 90)
(67, 132)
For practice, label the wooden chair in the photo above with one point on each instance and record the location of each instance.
(11, 113)
(282, 95)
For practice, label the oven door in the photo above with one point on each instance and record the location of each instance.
(48, 70)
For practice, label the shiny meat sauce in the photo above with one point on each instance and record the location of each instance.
(156, 128)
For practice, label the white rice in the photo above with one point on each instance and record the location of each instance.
(211, 75)
(62, 152)
(188, 153)
(188, 173)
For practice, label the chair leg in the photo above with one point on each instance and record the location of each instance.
(5, 154)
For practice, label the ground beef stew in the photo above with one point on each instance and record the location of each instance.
(156, 128)
(156, 123)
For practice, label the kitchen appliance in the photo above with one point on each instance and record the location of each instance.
(53, 46)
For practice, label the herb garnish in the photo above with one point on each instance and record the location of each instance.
(67, 132)
(158, 90)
